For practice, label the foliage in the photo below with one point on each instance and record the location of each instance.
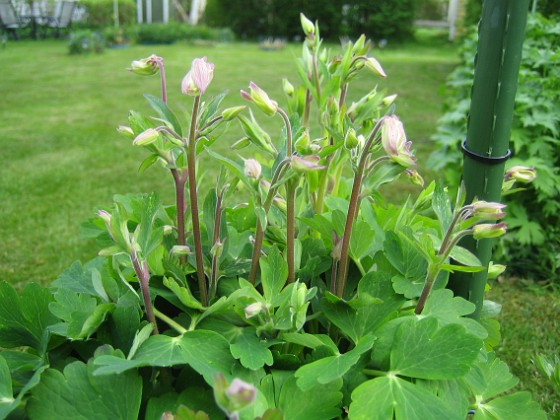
(431, 9)
(257, 19)
(533, 248)
(83, 42)
(473, 9)
(264, 314)
(168, 33)
(100, 12)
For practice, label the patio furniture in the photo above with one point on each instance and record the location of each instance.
(10, 21)
(62, 18)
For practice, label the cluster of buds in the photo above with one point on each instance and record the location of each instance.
(484, 211)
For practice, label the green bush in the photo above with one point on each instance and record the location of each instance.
(473, 9)
(83, 42)
(431, 9)
(168, 33)
(100, 12)
(534, 216)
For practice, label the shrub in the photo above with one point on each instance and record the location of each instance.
(286, 291)
(533, 248)
(83, 42)
(168, 33)
(100, 12)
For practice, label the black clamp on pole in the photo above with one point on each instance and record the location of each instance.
(490, 160)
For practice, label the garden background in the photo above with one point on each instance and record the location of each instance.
(61, 157)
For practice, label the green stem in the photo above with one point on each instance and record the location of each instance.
(216, 257)
(173, 324)
(163, 82)
(180, 181)
(374, 372)
(191, 163)
(352, 210)
(316, 77)
(431, 275)
(306, 108)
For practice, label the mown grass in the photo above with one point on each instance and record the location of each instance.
(60, 156)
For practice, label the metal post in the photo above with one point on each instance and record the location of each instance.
(501, 34)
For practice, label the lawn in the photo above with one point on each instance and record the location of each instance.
(61, 157)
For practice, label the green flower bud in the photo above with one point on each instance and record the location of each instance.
(307, 26)
(484, 210)
(229, 114)
(305, 163)
(302, 143)
(146, 137)
(146, 66)
(127, 131)
(241, 143)
(260, 98)
(373, 65)
(351, 140)
(495, 270)
(180, 250)
(388, 100)
(359, 45)
(489, 231)
(522, 174)
(415, 177)
(288, 88)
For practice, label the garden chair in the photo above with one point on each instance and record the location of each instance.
(62, 18)
(10, 21)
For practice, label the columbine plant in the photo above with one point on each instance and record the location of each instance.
(307, 296)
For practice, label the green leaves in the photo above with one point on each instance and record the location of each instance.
(252, 352)
(390, 397)
(24, 320)
(328, 369)
(165, 113)
(424, 350)
(78, 393)
(274, 274)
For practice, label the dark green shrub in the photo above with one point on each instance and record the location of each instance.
(473, 9)
(533, 216)
(161, 33)
(85, 41)
(100, 12)
(431, 9)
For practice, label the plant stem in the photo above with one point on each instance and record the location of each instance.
(259, 234)
(191, 164)
(163, 82)
(352, 210)
(180, 181)
(216, 257)
(143, 274)
(431, 275)
(316, 77)
(290, 204)
(374, 372)
(173, 324)
(306, 108)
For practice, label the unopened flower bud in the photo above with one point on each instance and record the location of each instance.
(307, 26)
(197, 80)
(146, 137)
(395, 144)
(359, 45)
(233, 398)
(105, 216)
(522, 174)
(252, 169)
(229, 114)
(280, 203)
(415, 177)
(351, 140)
(373, 65)
(253, 309)
(180, 250)
(241, 143)
(127, 131)
(260, 98)
(302, 143)
(305, 163)
(217, 249)
(495, 270)
(146, 66)
(332, 106)
(388, 100)
(488, 231)
(288, 88)
(484, 210)
(167, 230)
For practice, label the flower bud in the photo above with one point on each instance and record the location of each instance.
(495, 270)
(105, 216)
(388, 100)
(146, 137)
(217, 249)
(522, 174)
(233, 398)
(305, 163)
(127, 131)
(332, 106)
(488, 211)
(260, 98)
(302, 143)
(252, 169)
(167, 230)
(489, 231)
(415, 177)
(288, 88)
(359, 45)
(373, 65)
(351, 140)
(146, 66)
(253, 309)
(395, 144)
(229, 114)
(241, 143)
(180, 250)
(197, 80)
(307, 26)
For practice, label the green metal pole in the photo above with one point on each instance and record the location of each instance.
(501, 34)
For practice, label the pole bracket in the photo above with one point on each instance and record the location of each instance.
(490, 160)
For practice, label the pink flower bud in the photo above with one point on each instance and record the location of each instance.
(253, 309)
(305, 163)
(241, 393)
(252, 169)
(393, 139)
(146, 137)
(197, 80)
(488, 211)
(488, 231)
